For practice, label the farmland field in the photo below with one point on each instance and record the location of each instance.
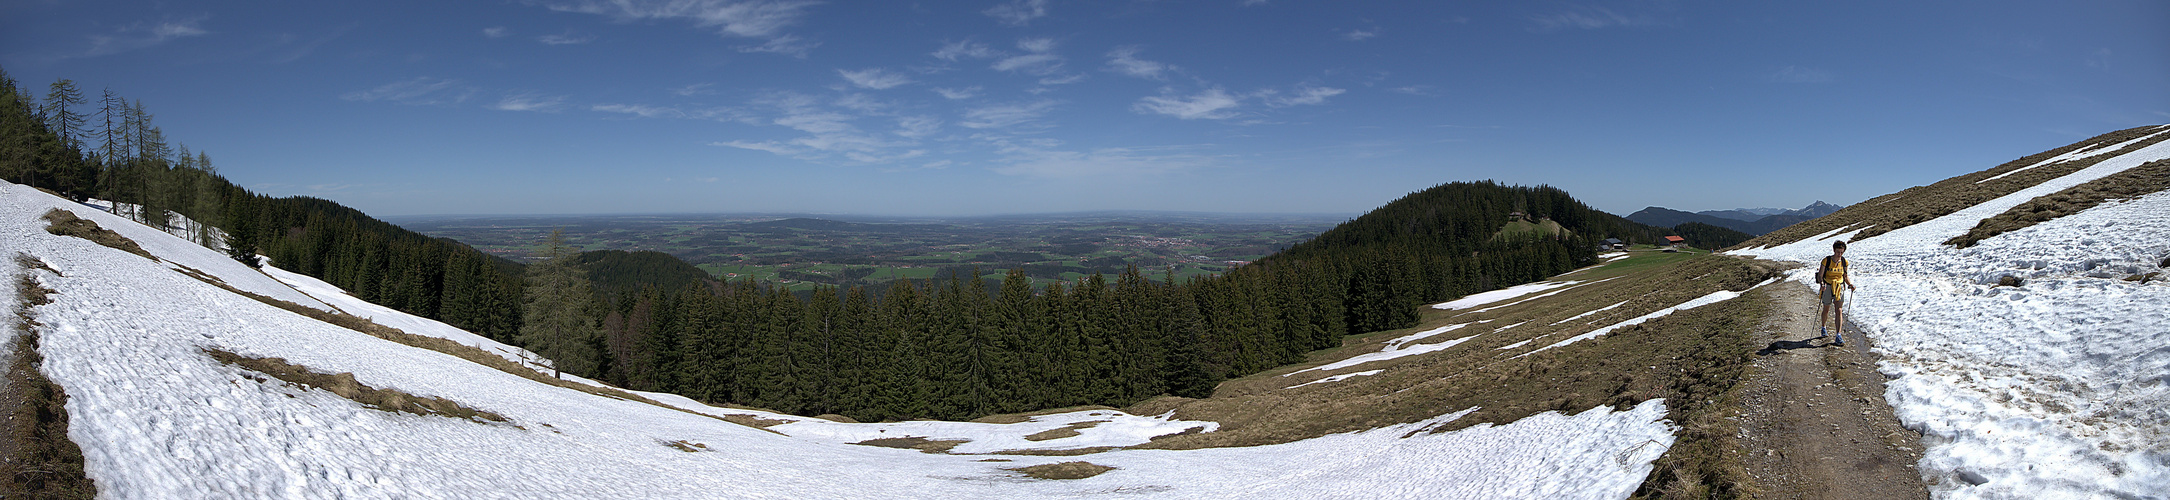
(802, 252)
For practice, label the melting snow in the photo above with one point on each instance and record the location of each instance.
(157, 418)
(2055, 389)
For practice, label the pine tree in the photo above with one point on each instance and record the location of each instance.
(555, 323)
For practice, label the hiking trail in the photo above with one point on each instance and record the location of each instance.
(1814, 420)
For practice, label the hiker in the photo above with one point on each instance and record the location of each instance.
(1831, 275)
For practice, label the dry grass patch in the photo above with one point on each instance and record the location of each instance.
(2133, 183)
(924, 445)
(1921, 203)
(1064, 431)
(37, 460)
(687, 446)
(344, 385)
(1065, 470)
(1012, 418)
(65, 223)
(1691, 358)
(1065, 452)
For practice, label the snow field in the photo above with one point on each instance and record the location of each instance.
(2055, 389)
(157, 418)
(1478, 299)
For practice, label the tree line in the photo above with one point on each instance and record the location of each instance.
(953, 348)
(111, 150)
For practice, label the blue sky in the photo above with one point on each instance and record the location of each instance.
(1027, 106)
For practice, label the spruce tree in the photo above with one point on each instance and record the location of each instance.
(555, 323)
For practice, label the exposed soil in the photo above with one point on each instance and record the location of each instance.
(1814, 420)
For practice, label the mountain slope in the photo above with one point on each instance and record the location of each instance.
(2048, 389)
(135, 341)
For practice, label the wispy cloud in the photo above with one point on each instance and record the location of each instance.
(738, 18)
(695, 89)
(647, 111)
(496, 32)
(1797, 74)
(1018, 12)
(1589, 17)
(1422, 90)
(2099, 59)
(956, 94)
(1007, 115)
(1125, 60)
(143, 35)
(1361, 35)
(641, 110)
(419, 90)
(832, 135)
(789, 45)
(1304, 96)
(1046, 159)
(874, 78)
(952, 51)
(1039, 58)
(1212, 104)
(564, 39)
(530, 101)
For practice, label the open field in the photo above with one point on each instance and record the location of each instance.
(804, 252)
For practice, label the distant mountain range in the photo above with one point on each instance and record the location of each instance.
(1755, 221)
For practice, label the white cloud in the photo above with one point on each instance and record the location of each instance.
(1422, 90)
(1589, 17)
(496, 32)
(1039, 58)
(1062, 80)
(1214, 104)
(141, 36)
(956, 94)
(789, 45)
(564, 39)
(1006, 115)
(952, 51)
(739, 18)
(918, 126)
(1360, 35)
(642, 110)
(874, 78)
(1305, 95)
(694, 89)
(1044, 161)
(1797, 74)
(420, 90)
(2100, 59)
(1042, 44)
(1124, 60)
(530, 101)
(1018, 12)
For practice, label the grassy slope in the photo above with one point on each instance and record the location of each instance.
(1692, 358)
(1920, 203)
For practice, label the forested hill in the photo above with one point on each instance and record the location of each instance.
(1447, 241)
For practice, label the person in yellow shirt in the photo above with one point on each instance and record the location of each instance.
(1831, 276)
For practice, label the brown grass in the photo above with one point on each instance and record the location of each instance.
(687, 446)
(65, 223)
(1063, 432)
(924, 445)
(39, 459)
(1012, 418)
(1065, 470)
(1920, 203)
(1690, 358)
(344, 385)
(2132, 183)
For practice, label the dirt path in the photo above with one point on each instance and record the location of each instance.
(1814, 421)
